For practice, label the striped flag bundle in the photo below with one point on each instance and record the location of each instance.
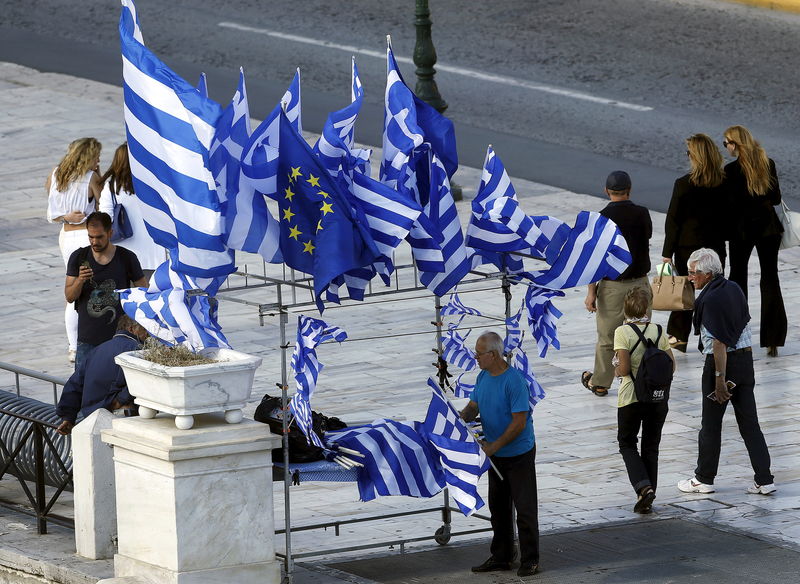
(523, 365)
(513, 333)
(249, 226)
(455, 307)
(455, 350)
(460, 455)
(173, 310)
(170, 125)
(306, 367)
(398, 460)
(542, 317)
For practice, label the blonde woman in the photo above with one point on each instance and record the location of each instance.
(753, 191)
(73, 189)
(119, 181)
(693, 221)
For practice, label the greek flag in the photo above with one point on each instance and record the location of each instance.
(310, 333)
(455, 350)
(594, 250)
(460, 455)
(398, 460)
(523, 365)
(513, 333)
(260, 156)
(170, 311)
(170, 126)
(455, 307)
(249, 226)
(542, 317)
(462, 388)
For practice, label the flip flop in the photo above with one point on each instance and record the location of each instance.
(586, 376)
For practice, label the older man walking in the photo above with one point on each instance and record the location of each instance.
(501, 397)
(722, 320)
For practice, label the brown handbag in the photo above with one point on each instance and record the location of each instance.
(672, 293)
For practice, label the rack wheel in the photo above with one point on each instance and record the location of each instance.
(442, 535)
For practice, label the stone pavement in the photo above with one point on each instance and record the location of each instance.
(381, 371)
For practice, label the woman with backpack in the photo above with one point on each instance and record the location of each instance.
(638, 345)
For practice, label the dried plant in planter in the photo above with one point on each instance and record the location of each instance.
(171, 356)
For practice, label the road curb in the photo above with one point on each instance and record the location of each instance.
(782, 5)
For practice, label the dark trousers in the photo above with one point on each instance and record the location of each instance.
(517, 490)
(773, 312)
(740, 371)
(679, 324)
(642, 466)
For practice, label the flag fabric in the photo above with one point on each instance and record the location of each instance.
(398, 460)
(523, 365)
(455, 307)
(172, 310)
(321, 234)
(169, 127)
(249, 226)
(462, 388)
(455, 351)
(513, 337)
(306, 367)
(260, 157)
(542, 317)
(460, 455)
(594, 250)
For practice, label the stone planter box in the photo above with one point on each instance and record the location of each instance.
(223, 386)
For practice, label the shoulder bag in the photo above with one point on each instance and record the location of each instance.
(790, 221)
(120, 223)
(672, 293)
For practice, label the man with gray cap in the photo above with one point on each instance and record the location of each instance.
(606, 297)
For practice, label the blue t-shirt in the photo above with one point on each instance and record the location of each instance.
(497, 398)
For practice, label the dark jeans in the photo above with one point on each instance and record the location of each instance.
(517, 490)
(679, 324)
(81, 352)
(642, 467)
(773, 311)
(740, 371)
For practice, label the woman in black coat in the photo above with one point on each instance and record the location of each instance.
(693, 221)
(753, 191)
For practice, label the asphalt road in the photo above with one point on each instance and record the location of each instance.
(576, 88)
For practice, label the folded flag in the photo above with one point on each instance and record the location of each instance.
(455, 350)
(542, 317)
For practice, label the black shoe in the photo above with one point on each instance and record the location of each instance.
(526, 570)
(492, 565)
(644, 504)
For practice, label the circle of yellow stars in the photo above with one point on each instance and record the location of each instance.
(325, 208)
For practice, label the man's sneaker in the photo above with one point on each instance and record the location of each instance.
(692, 485)
(762, 489)
(492, 565)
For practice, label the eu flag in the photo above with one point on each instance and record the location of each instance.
(322, 234)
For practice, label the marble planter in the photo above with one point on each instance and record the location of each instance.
(222, 386)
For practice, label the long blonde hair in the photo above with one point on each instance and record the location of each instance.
(752, 159)
(81, 157)
(120, 171)
(705, 161)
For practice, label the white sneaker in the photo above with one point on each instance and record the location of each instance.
(762, 489)
(692, 485)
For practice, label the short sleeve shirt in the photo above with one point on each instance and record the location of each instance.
(625, 338)
(499, 396)
(98, 305)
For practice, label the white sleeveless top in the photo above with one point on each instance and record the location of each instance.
(74, 198)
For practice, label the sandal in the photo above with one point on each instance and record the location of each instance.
(586, 377)
(644, 504)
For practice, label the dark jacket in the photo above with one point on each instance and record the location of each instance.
(636, 227)
(751, 217)
(695, 217)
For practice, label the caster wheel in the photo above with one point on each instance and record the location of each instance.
(234, 416)
(147, 413)
(442, 535)
(184, 422)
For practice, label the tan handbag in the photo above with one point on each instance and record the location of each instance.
(672, 293)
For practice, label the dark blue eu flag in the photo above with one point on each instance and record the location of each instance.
(321, 233)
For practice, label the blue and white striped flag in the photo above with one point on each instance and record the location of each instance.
(460, 455)
(523, 365)
(455, 351)
(542, 317)
(462, 388)
(594, 250)
(513, 338)
(398, 460)
(310, 333)
(249, 226)
(260, 156)
(455, 307)
(169, 311)
(170, 126)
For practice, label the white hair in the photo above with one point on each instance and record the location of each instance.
(493, 342)
(706, 261)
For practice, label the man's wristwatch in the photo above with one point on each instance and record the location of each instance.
(718, 373)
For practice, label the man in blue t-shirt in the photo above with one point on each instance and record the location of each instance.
(501, 397)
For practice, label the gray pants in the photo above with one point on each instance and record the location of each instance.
(610, 301)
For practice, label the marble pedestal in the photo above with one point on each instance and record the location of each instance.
(194, 506)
